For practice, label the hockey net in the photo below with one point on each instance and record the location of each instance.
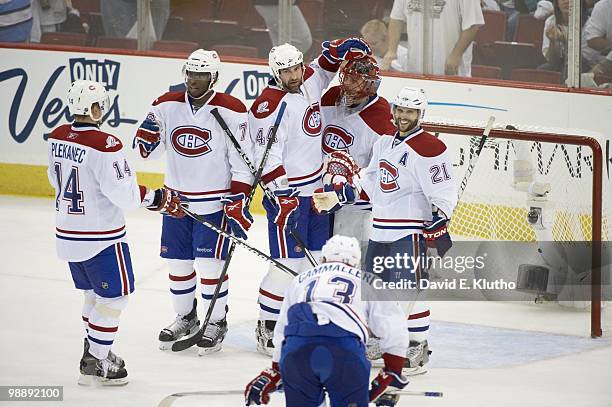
(533, 184)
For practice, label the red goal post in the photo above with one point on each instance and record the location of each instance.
(501, 143)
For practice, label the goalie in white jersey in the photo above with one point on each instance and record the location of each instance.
(319, 339)
(293, 168)
(203, 166)
(93, 183)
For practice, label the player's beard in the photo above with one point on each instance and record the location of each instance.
(404, 128)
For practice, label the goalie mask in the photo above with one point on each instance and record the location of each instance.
(359, 79)
(342, 249)
(83, 95)
(283, 57)
(200, 66)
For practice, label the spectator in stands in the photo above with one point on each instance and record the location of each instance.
(455, 24)
(15, 20)
(554, 40)
(544, 10)
(49, 15)
(514, 8)
(491, 5)
(604, 67)
(119, 17)
(374, 32)
(597, 33)
(300, 32)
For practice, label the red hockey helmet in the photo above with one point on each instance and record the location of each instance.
(359, 78)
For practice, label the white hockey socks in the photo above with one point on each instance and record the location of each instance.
(272, 289)
(418, 321)
(182, 285)
(209, 271)
(103, 324)
(89, 300)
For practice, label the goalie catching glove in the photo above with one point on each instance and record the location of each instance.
(166, 201)
(237, 214)
(259, 389)
(341, 183)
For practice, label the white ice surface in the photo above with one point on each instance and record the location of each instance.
(484, 352)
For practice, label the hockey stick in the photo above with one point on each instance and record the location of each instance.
(189, 342)
(168, 400)
(474, 158)
(247, 161)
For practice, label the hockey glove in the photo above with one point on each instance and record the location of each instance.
(389, 379)
(345, 49)
(259, 389)
(340, 167)
(168, 202)
(147, 137)
(237, 214)
(284, 212)
(436, 235)
(331, 198)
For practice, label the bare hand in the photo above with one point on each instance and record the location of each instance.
(451, 67)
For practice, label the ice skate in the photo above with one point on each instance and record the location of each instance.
(101, 372)
(182, 328)
(213, 337)
(264, 332)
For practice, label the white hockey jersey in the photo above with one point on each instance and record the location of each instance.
(202, 163)
(404, 180)
(296, 153)
(334, 292)
(93, 182)
(354, 131)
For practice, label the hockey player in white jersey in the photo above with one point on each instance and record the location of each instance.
(319, 339)
(93, 183)
(203, 166)
(355, 117)
(294, 166)
(408, 175)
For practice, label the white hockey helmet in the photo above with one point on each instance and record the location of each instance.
(281, 57)
(342, 249)
(202, 60)
(84, 94)
(412, 98)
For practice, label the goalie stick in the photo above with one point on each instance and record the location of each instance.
(247, 161)
(189, 342)
(168, 400)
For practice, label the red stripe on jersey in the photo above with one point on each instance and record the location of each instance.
(270, 295)
(94, 138)
(307, 176)
(178, 96)
(83, 232)
(378, 117)
(212, 281)
(103, 328)
(182, 278)
(228, 102)
(274, 174)
(396, 220)
(218, 191)
(238, 187)
(84, 318)
(426, 145)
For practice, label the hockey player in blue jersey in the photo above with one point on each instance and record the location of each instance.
(319, 340)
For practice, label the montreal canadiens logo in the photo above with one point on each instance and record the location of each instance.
(336, 139)
(190, 141)
(388, 176)
(312, 121)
